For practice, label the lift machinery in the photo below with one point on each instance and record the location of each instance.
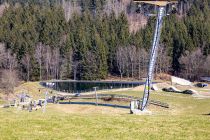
(161, 4)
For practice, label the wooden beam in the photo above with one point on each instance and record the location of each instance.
(157, 2)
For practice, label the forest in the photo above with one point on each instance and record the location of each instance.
(92, 40)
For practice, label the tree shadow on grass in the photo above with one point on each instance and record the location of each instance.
(207, 114)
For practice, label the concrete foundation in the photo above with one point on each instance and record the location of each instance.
(134, 108)
(139, 112)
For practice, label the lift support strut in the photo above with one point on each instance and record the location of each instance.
(153, 56)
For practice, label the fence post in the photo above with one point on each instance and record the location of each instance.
(96, 95)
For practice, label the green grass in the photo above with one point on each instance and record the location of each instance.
(1, 102)
(34, 89)
(187, 118)
(58, 125)
(181, 103)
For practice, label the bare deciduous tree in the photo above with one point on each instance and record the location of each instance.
(121, 64)
(38, 56)
(66, 65)
(55, 62)
(131, 53)
(193, 64)
(47, 60)
(2, 54)
(75, 66)
(142, 60)
(116, 6)
(7, 59)
(26, 62)
(132, 60)
(207, 66)
(70, 7)
(136, 21)
(9, 80)
(163, 61)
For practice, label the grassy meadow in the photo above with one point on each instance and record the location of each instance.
(187, 118)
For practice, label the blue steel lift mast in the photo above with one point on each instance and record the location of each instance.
(153, 56)
(161, 13)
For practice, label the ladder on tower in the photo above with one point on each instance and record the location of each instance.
(154, 50)
(153, 57)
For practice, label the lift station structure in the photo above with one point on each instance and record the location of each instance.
(161, 12)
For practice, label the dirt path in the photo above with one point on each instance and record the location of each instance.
(89, 109)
